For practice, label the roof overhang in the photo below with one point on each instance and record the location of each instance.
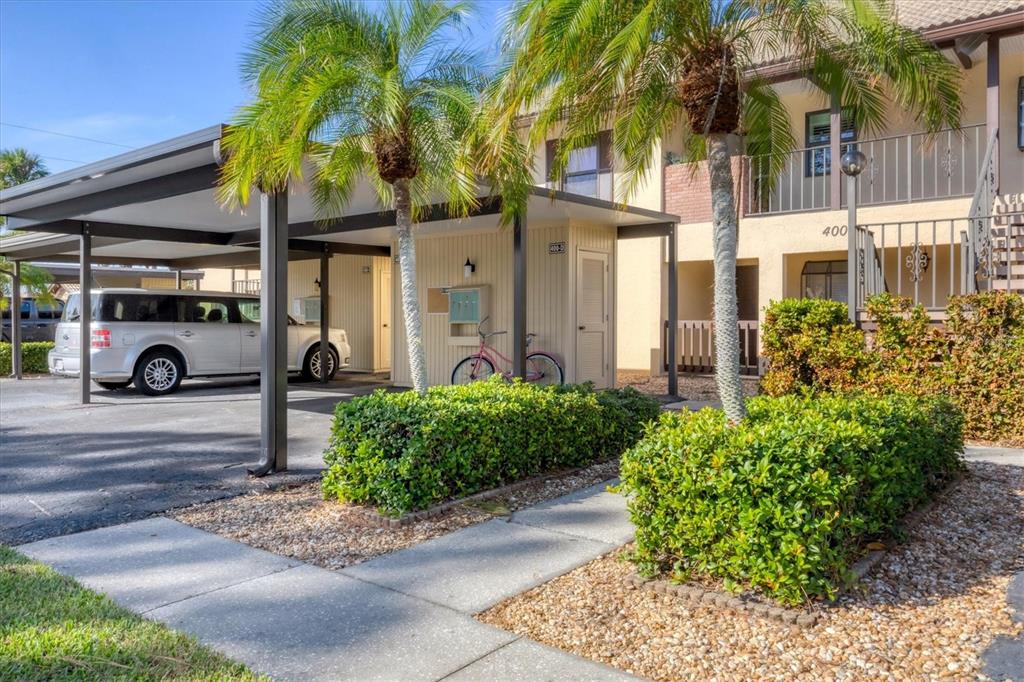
(158, 206)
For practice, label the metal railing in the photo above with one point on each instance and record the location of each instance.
(902, 168)
(695, 346)
(246, 286)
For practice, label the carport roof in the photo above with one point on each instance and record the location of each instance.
(157, 206)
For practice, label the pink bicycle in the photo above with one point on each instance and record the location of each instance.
(541, 368)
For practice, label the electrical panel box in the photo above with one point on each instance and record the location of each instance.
(310, 310)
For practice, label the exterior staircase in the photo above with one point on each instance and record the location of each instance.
(1006, 244)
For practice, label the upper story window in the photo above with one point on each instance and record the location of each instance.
(589, 168)
(818, 126)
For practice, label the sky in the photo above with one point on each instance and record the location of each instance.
(127, 73)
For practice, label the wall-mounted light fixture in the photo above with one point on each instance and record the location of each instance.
(316, 283)
(468, 269)
(366, 269)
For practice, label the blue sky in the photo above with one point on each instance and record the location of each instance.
(130, 72)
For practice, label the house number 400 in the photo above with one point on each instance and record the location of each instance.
(835, 231)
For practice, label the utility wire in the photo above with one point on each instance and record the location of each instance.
(74, 137)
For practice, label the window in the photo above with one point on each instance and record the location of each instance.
(1020, 113)
(249, 309)
(824, 279)
(819, 134)
(49, 311)
(206, 310)
(588, 171)
(136, 308)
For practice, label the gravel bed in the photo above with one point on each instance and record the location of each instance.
(928, 610)
(297, 522)
(691, 386)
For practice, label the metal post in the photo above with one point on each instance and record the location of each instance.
(519, 297)
(177, 279)
(85, 313)
(992, 107)
(325, 288)
(851, 246)
(836, 151)
(273, 333)
(673, 312)
(16, 321)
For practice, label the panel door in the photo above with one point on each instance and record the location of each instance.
(384, 321)
(592, 318)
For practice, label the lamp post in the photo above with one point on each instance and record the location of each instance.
(852, 163)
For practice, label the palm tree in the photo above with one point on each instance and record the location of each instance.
(18, 166)
(644, 66)
(359, 94)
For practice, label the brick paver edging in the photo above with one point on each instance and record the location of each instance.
(374, 518)
(748, 603)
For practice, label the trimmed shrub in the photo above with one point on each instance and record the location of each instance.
(783, 502)
(33, 357)
(406, 451)
(976, 358)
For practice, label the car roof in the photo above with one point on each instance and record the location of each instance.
(173, 292)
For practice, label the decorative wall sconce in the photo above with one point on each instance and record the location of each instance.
(468, 269)
(316, 283)
(366, 269)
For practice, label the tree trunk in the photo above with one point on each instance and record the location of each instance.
(410, 296)
(727, 341)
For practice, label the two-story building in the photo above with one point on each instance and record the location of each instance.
(916, 199)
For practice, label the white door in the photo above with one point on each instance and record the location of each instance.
(592, 323)
(384, 320)
(211, 340)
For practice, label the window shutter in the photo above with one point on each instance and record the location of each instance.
(549, 149)
(605, 153)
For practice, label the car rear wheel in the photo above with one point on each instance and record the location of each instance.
(311, 367)
(158, 373)
(113, 385)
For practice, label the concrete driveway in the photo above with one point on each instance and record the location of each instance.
(66, 467)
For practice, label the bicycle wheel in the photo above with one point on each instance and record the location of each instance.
(543, 369)
(472, 369)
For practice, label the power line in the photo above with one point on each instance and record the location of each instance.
(74, 137)
(58, 158)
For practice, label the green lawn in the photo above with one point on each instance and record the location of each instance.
(53, 628)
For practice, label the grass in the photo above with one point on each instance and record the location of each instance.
(53, 628)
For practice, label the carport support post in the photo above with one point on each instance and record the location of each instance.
(273, 333)
(673, 312)
(85, 313)
(519, 297)
(325, 288)
(16, 321)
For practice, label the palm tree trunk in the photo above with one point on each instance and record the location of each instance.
(410, 296)
(727, 341)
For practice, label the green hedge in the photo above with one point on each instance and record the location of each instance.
(976, 358)
(33, 357)
(405, 451)
(784, 501)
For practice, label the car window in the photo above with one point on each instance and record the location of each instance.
(206, 310)
(72, 312)
(137, 308)
(26, 309)
(249, 309)
(49, 311)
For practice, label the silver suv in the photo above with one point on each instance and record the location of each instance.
(157, 337)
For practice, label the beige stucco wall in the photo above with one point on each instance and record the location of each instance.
(551, 293)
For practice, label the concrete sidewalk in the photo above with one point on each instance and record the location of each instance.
(402, 616)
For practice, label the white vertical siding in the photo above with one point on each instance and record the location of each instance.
(352, 299)
(550, 291)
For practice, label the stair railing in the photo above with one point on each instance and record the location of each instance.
(979, 247)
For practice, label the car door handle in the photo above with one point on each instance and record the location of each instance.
(250, 334)
(186, 333)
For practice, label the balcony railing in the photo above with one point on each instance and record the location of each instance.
(246, 286)
(904, 168)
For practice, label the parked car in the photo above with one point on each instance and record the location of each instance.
(155, 338)
(38, 319)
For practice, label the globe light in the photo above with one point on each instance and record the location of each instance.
(853, 162)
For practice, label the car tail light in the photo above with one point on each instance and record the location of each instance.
(100, 338)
